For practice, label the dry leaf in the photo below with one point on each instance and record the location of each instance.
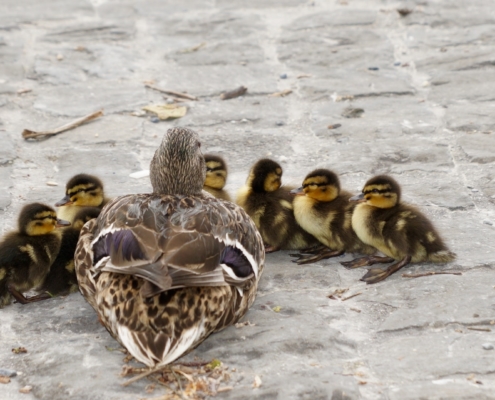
(277, 308)
(166, 111)
(257, 382)
(26, 389)
(4, 379)
(19, 350)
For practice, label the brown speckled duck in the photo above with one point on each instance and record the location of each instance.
(323, 209)
(216, 176)
(398, 230)
(269, 204)
(27, 254)
(165, 270)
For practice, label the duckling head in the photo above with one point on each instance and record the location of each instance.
(178, 166)
(216, 171)
(83, 190)
(381, 191)
(39, 219)
(320, 184)
(265, 176)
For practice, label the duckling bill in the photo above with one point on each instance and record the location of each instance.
(398, 230)
(270, 206)
(27, 254)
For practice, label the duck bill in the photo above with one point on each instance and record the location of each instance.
(359, 198)
(64, 202)
(61, 223)
(297, 192)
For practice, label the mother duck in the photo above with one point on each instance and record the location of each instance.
(165, 270)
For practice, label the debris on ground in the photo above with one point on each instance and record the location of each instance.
(37, 135)
(233, 93)
(166, 111)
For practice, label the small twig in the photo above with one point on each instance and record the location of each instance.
(234, 93)
(29, 134)
(431, 273)
(176, 99)
(281, 94)
(351, 296)
(171, 92)
(141, 376)
(193, 363)
(480, 329)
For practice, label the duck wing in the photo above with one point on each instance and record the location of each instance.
(175, 241)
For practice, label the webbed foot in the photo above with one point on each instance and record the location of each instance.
(323, 254)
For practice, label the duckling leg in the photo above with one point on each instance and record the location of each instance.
(325, 253)
(364, 261)
(375, 275)
(20, 298)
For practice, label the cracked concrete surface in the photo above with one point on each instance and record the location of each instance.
(425, 83)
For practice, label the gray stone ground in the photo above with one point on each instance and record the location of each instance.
(428, 120)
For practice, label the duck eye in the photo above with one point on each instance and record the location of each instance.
(199, 144)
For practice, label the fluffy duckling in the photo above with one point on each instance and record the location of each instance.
(82, 190)
(323, 210)
(27, 254)
(165, 270)
(62, 276)
(216, 176)
(398, 230)
(270, 206)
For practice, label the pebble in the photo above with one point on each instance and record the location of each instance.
(373, 68)
(397, 63)
(474, 190)
(280, 123)
(486, 222)
(7, 372)
(283, 76)
(155, 119)
(488, 346)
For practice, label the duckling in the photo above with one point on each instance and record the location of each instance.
(398, 230)
(27, 254)
(270, 206)
(62, 276)
(81, 190)
(216, 176)
(165, 270)
(323, 209)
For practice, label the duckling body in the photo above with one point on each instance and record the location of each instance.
(270, 206)
(398, 230)
(82, 190)
(26, 255)
(165, 270)
(323, 209)
(216, 176)
(62, 276)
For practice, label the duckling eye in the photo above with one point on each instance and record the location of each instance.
(374, 191)
(39, 223)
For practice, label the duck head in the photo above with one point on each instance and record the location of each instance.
(381, 191)
(83, 190)
(320, 184)
(265, 176)
(216, 171)
(178, 166)
(39, 219)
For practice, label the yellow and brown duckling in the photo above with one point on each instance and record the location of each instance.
(27, 254)
(82, 190)
(62, 277)
(323, 209)
(269, 204)
(398, 230)
(216, 176)
(165, 270)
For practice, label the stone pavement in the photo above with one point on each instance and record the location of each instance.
(425, 81)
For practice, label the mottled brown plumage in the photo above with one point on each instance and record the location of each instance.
(269, 204)
(27, 254)
(323, 209)
(398, 230)
(165, 270)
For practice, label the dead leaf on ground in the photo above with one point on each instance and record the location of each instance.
(26, 389)
(4, 379)
(277, 308)
(166, 111)
(19, 350)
